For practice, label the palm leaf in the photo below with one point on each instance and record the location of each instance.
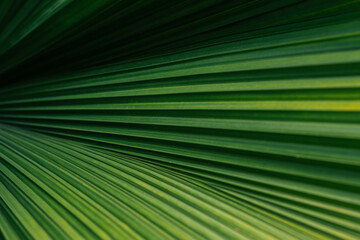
(187, 120)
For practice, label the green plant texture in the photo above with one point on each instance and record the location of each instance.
(158, 119)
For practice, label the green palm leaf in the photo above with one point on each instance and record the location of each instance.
(180, 120)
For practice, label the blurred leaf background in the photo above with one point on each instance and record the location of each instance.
(160, 119)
